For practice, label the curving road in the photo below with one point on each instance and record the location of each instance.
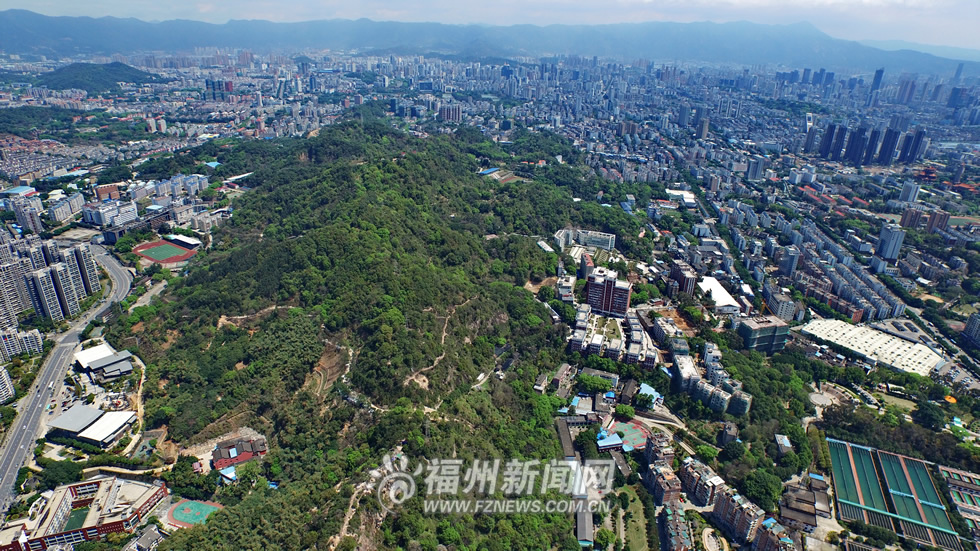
(20, 439)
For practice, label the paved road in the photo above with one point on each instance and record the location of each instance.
(20, 440)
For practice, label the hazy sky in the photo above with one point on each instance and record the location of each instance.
(941, 22)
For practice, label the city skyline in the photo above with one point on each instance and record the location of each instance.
(934, 22)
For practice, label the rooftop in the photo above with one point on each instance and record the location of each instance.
(877, 346)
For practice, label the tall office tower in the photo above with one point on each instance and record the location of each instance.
(911, 218)
(827, 140)
(755, 168)
(684, 116)
(67, 257)
(910, 192)
(938, 220)
(906, 90)
(806, 76)
(959, 74)
(855, 145)
(888, 145)
(906, 148)
(88, 269)
(917, 148)
(787, 264)
(44, 295)
(899, 122)
(838, 147)
(702, 133)
(818, 77)
(869, 153)
(65, 287)
(811, 140)
(890, 241)
(876, 83)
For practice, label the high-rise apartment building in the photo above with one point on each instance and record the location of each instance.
(6, 386)
(911, 218)
(44, 294)
(890, 241)
(910, 192)
(607, 294)
(88, 269)
(64, 285)
(938, 220)
(787, 264)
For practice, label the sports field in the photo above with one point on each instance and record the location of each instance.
(188, 513)
(161, 251)
(634, 434)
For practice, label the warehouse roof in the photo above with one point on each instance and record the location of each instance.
(87, 357)
(877, 346)
(718, 293)
(76, 419)
(108, 426)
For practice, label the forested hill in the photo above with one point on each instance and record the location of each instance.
(378, 242)
(94, 78)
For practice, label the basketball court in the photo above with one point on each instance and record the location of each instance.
(634, 434)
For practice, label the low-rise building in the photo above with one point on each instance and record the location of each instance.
(236, 451)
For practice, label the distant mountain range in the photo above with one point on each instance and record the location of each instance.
(951, 52)
(800, 45)
(93, 78)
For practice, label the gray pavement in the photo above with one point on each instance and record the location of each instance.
(19, 444)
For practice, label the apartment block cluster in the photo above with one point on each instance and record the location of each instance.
(635, 348)
(823, 269)
(38, 274)
(715, 388)
(739, 518)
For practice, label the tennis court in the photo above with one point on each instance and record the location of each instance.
(188, 513)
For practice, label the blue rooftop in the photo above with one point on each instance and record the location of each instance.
(213, 164)
(648, 390)
(488, 171)
(609, 441)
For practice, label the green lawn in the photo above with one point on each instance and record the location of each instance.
(76, 519)
(636, 526)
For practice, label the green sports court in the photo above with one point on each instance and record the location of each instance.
(187, 513)
(164, 252)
